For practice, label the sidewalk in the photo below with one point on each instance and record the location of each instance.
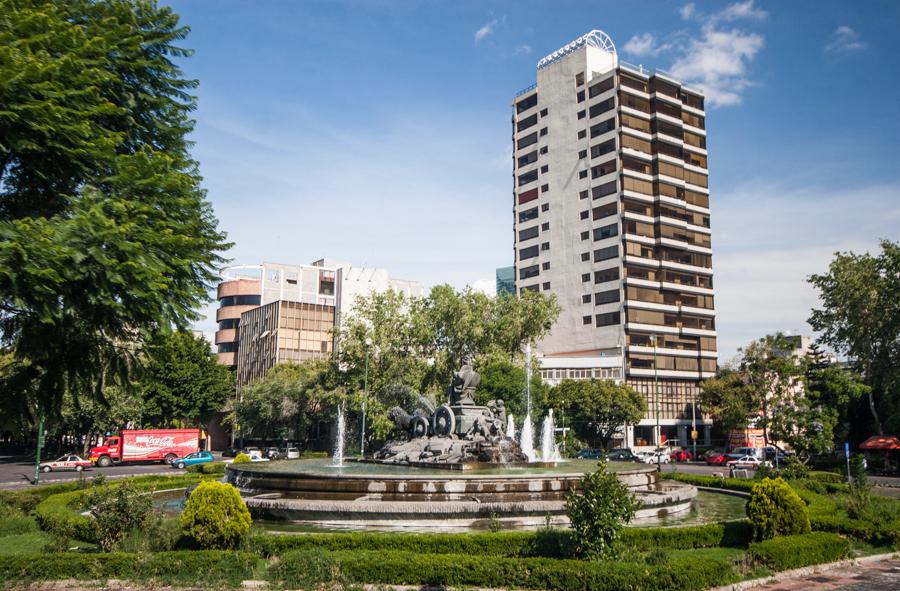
(883, 575)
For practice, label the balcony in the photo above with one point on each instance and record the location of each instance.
(228, 359)
(227, 335)
(232, 312)
(237, 287)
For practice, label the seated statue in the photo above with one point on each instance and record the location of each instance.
(462, 387)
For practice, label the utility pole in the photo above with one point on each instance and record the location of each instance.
(40, 447)
(656, 404)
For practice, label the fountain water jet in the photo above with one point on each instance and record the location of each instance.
(338, 458)
(526, 439)
(549, 451)
(510, 426)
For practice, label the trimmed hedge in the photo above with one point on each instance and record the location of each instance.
(207, 468)
(788, 552)
(738, 484)
(206, 568)
(553, 543)
(410, 568)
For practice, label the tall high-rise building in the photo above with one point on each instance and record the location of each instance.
(506, 280)
(611, 214)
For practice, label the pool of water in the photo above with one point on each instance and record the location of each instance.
(324, 467)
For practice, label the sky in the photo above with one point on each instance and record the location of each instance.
(379, 132)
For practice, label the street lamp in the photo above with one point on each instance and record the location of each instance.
(656, 404)
(362, 436)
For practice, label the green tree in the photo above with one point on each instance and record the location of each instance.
(598, 512)
(505, 379)
(729, 400)
(597, 409)
(840, 389)
(183, 384)
(288, 400)
(105, 232)
(860, 317)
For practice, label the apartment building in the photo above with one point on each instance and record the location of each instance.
(611, 214)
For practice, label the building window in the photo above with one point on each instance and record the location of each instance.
(579, 78)
(545, 226)
(604, 254)
(528, 177)
(545, 168)
(545, 207)
(528, 253)
(528, 233)
(585, 277)
(606, 231)
(582, 134)
(604, 275)
(585, 214)
(582, 174)
(586, 299)
(580, 96)
(545, 266)
(608, 319)
(583, 194)
(585, 235)
(546, 285)
(606, 297)
(528, 159)
(603, 127)
(601, 87)
(526, 103)
(604, 189)
(582, 114)
(585, 256)
(586, 319)
(603, 169)
(543, 131)
(544, 150)
(528, 214)
(528, 272)
(527, 122)
(602, 107)
(527, 141)
(545, 188)
(603, 148)
(545, 246)
(543, 112)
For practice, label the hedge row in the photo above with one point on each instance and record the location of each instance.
(738, 484)
(553, 543)
(787, 552)
(409, 568)
(60, 514)
(206, 568)
(878, 534)
(208, 468)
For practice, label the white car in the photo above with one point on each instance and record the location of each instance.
(748, 461)
(69, 462)
(292, 453)
(650, 457)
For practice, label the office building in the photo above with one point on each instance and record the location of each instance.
(611, 214)
(506, 280)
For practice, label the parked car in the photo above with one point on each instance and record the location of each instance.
(271, 453)
(717, 459)
(654, 457)
(623, 455)
(69, 462)
(589, 453)
(251, 451)
(712, 452)
(682, 455)
(198, 457)
(289, 453)
(751, 462)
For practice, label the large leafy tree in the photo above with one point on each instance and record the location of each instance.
(729, 400)
(504, 379)
(105, 233)
(183, 384)
(832, 386)
(860, 317)
(597, 409)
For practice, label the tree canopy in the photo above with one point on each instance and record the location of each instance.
(106, 235)
(597, 409)
(860, 317)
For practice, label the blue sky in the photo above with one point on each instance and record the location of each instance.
(378, 132)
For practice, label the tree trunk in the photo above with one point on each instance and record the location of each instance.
(872, 389)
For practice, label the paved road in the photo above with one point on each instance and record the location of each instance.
(16, 473)
(883, 575)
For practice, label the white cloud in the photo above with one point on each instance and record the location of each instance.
(641, 45)
(767, 239)
(844, 40)
(485, 31)
(485, 285)
(687, 11)
(523, 49)
(717, 63)
(739, 11)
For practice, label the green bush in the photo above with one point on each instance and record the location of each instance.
(797, 551)
(737, 484)
(241, 458)
(214, 569)
(215, 516)
(598, 511)
(828, 477)
(305, 569)
(775, 509)
(208, 468)
(118, 510)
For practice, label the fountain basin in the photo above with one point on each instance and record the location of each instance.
(390, 496)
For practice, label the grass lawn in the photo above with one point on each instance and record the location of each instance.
(24, 543)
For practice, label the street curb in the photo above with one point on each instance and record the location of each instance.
(805, 571)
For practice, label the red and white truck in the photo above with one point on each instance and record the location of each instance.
(146, 445)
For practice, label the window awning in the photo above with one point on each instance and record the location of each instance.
(881, 442)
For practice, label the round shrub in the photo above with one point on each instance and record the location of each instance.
(215, 516)
(241, 458)
(775, 509)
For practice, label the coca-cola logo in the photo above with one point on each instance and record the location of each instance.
(156, 440)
